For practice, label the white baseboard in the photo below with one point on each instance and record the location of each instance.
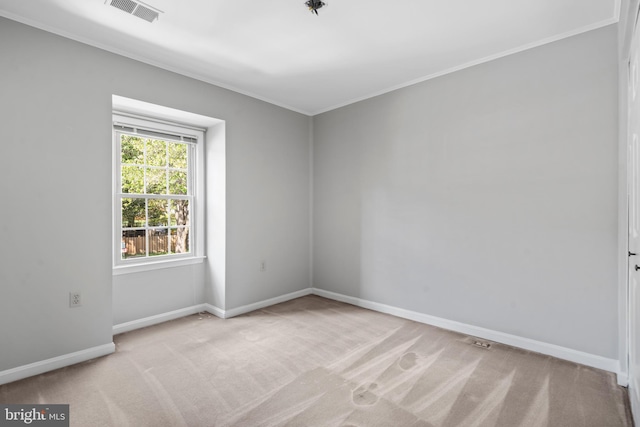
(218, 312)
(623, 378)
(159, 318)
(576, 356)
(47, 365)
(266, 303)
(226, 314)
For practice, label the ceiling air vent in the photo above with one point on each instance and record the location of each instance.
(137, 8)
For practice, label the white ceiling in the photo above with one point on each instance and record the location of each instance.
(278, 51)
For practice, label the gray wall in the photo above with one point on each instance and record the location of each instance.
(55, 219)
(487, 196)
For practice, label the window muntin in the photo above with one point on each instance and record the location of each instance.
(154, 193)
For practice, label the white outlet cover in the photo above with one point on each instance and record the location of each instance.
(75, 299)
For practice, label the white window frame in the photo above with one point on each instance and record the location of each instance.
(196, 186)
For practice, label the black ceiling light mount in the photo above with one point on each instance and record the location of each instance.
(314, 5)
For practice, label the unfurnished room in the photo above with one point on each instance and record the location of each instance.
(320, 213)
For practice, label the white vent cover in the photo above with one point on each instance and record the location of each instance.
(136, 8)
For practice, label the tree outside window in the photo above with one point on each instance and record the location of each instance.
(155, 196)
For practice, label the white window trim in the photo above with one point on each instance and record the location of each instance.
(196, 255)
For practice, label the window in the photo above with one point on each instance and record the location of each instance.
(157, 189)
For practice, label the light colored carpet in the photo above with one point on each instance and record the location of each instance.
(317, 362)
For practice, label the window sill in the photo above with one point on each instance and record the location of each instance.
(156, 265)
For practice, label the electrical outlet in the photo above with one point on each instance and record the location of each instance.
(74, 299)
(263, 266)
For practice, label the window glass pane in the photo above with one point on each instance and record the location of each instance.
(156, 152)
(156, 181)
(177, 182)
(132, 179)
(158, 243)
(132, 149)
(177, 155)
(179, 212)
(157, 210)
(134, 244)
(133, 214)
(180, 240)
(154, 174)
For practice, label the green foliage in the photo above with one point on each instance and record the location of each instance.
(177, 182)
(177, 155)
(158, 216)
(152, 166)
(133, 213)
(132, 179)
(132, 150)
